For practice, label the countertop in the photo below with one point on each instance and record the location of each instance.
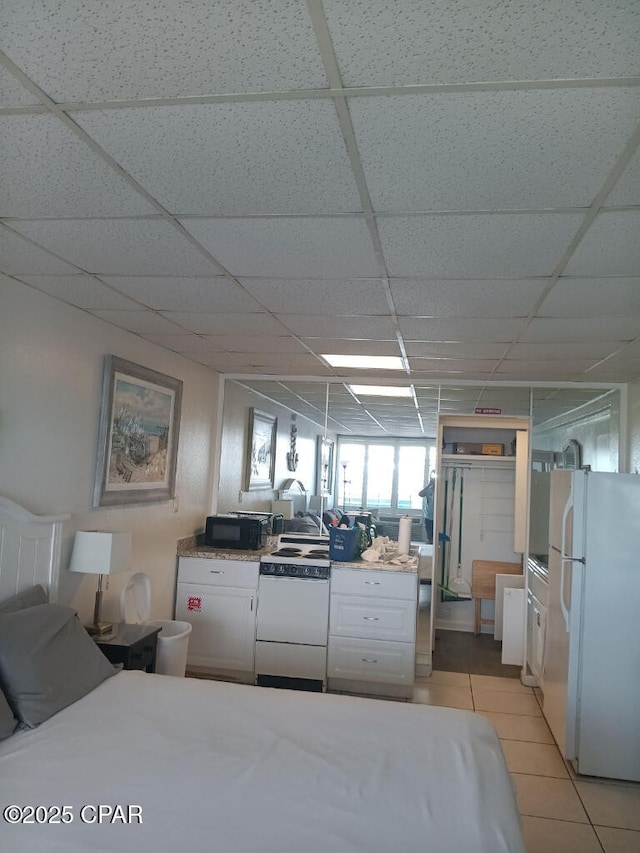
(188, 548)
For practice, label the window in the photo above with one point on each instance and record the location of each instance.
(383, 475)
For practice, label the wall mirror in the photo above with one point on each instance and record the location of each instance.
(331, 411)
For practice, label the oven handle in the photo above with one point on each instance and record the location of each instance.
(276, 579)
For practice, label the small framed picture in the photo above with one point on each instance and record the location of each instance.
(138, 435)
(261, 451)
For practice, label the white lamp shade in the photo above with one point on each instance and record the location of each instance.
(101, 553)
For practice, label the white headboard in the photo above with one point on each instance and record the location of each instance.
(29, 549)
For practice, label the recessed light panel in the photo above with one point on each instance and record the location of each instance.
(376, 362)
(381, 390)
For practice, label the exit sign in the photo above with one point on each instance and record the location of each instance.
(482, 410)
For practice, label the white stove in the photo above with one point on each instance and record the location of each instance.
(293, 615)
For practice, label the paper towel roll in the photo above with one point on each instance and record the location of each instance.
(404, 535)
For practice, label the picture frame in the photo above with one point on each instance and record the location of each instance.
(325, 466)
(261, 451)
(137, 435)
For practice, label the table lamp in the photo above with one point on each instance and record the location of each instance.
(100, 554)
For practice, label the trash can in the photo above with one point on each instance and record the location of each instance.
(173, 644)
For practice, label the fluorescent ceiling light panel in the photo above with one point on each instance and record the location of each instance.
(379, 362)
(381, 390)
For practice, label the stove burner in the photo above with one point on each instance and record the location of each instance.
(317, 552)
(287, 552)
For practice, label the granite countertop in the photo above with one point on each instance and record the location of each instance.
(189, 547)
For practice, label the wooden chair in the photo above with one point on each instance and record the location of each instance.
(483, 584)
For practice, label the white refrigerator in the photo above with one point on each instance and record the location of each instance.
(592, 651)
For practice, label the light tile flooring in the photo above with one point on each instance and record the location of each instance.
(561, 812)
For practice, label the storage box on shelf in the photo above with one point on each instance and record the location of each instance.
(372, 631)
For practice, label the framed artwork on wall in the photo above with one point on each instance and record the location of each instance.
(324, 472)
(138, 435)
(261, 451)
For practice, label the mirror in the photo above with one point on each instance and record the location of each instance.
(329, 410)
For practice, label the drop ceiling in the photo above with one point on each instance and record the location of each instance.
(253, 184)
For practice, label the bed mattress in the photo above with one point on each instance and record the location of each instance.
(222, 767)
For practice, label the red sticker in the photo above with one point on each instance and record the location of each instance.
(194, 602)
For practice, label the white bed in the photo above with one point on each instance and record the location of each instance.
(225, 767)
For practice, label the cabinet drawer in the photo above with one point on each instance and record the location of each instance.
(384, 583)
(202, 570)
(362, 660)
(380, 618)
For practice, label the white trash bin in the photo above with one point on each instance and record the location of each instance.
(173, 645)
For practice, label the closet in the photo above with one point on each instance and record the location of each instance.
(481, 506)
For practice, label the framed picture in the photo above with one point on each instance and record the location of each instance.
(138, 435)
(324, 472)
(261, 451)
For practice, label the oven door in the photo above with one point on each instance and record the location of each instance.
(291, 610)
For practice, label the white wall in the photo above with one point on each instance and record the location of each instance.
(595, 426)
(51, 362)
(634, 428)
(238, 400)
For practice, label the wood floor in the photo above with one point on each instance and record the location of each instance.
(461, 651)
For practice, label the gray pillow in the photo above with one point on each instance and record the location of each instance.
(8, 722)
(47, 661)
(27, 598)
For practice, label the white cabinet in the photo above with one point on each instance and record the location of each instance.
(372, 631)
(536, 633)
(219, 599)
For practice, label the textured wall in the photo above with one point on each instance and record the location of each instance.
(51, 358)
(634, 428)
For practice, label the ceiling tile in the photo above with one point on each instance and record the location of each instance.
(548, 370)
(582, 329)
(343, 346)
(446, 365)
(263, 362)
(39, 151)
(593, 297)
(161, 48)
(481, 330)
(256, 343)
(457, 349)
(142, 322)
(415, 297)
(440, 160)
(561, 350)
(194, 159)
(424, 41)
(353, 326)
(627, 188)
(184, 343)
(18, 256)
(171, 293)
(616, 370)
(476, 246)
(226, 324)
(290, 248)
(84, 291)
(13, 93)
(119, 246)
(316, 296)
(610, 246)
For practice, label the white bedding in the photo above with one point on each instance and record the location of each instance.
(232, 768)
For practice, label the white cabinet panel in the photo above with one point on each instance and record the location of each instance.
(202, 570)
(380, 618)
(223, 620)
(361, 660)
(291, 661)
(384, 583)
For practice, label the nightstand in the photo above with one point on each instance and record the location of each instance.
(133, 646)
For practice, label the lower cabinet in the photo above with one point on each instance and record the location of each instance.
(222, 615)
(372, 631)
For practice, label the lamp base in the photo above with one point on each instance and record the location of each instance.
(99, 628)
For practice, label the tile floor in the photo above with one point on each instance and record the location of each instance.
(561, 813)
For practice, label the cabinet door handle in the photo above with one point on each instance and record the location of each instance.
(371, 618)
(216, 572)
(369, 660)
(373, 583)
(252, 604)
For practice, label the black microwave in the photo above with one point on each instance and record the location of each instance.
(233, 531)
